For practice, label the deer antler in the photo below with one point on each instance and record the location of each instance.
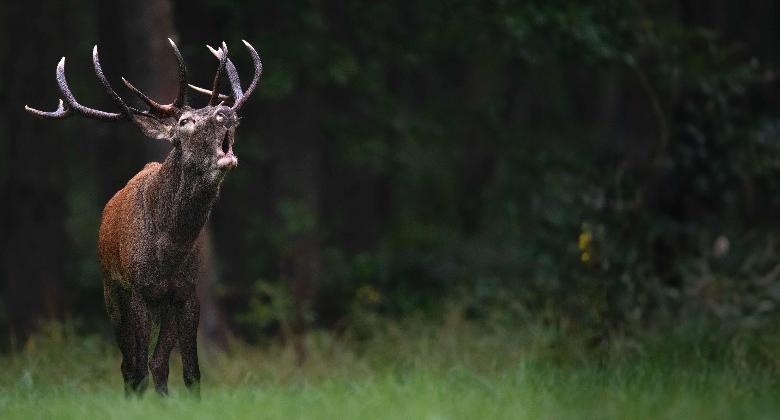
(68, 106)
(235, 83)
(239, 96)
(75, 108)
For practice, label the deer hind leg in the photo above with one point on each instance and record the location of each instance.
(187, 327)
(126, 341)
(159, 365)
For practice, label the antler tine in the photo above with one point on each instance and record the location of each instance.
(153, 105)
(181, 96)
(126, 110)
(255, 79)
(67, 95)
(60, 113)
(222, 97)
(215, 88)
(181, 99)
(235, 81)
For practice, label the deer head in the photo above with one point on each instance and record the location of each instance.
(204, 136)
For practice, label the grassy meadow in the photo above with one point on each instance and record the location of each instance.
(456, 370)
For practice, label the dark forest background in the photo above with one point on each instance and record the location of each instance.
(609, 166)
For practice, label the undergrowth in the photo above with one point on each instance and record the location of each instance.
(456, 369)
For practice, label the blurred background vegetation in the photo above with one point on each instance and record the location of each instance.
(606, 166)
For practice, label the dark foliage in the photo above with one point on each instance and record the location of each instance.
(607, 165)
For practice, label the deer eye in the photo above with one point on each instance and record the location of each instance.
(184, 121)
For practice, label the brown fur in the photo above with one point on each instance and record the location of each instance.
(118, 224)
(149, 247)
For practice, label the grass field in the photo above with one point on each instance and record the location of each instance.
(456, 370)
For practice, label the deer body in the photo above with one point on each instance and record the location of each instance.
(149, 258)
(149, 236)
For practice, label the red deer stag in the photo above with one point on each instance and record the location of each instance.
(149, 235)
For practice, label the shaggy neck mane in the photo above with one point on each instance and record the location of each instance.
(178, 198)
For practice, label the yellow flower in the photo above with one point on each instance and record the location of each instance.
(585, 239)
(585, 257)
(369, 295)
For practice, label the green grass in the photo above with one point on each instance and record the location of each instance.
(457, 370)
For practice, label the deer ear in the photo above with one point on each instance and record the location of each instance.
(154, 127)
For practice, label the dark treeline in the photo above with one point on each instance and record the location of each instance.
(609, 165)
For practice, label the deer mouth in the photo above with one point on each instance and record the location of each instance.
(225, 158)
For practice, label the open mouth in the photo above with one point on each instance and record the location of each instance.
(226, 142)
(225, 157)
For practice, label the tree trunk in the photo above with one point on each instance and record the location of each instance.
(295, 192)
(213, 326)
